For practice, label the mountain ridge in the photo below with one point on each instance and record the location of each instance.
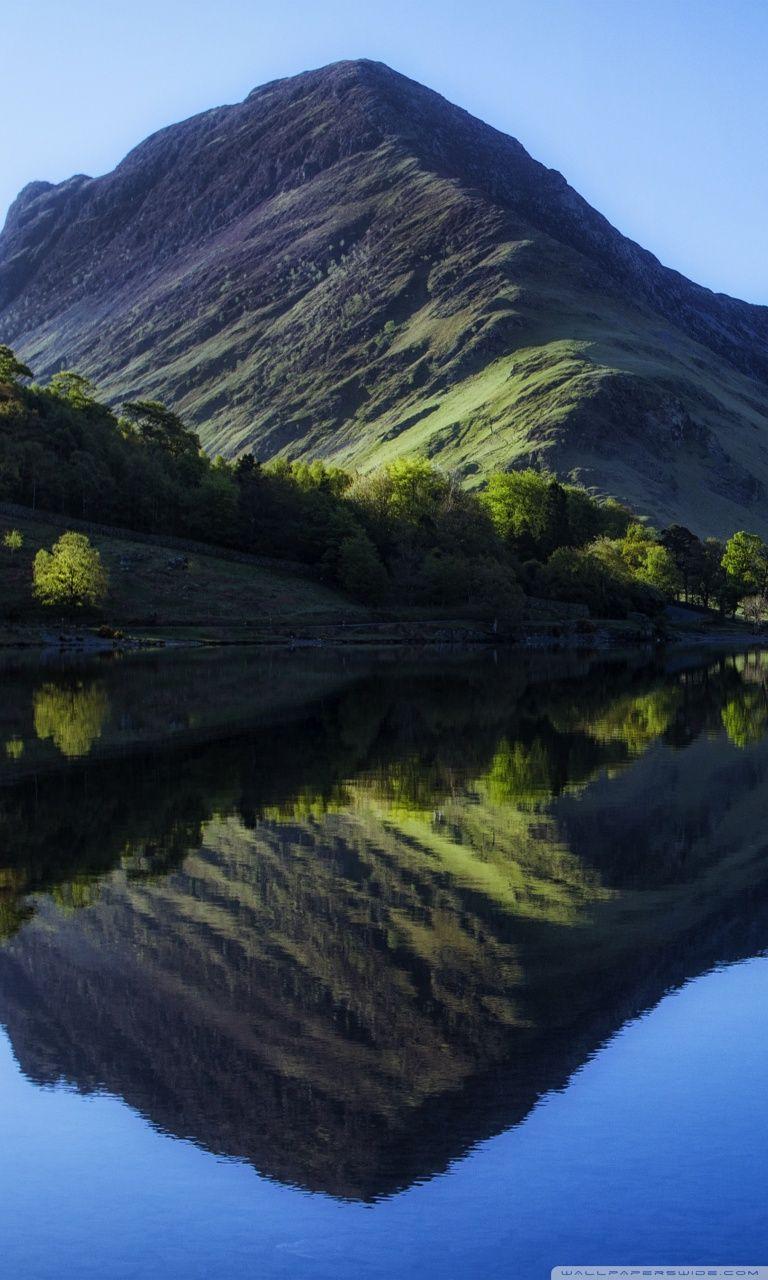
(346, 265)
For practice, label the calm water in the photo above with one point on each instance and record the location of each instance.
(323, 967)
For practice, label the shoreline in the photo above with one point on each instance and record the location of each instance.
(582, 635)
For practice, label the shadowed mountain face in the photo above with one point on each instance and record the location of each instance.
(346, 946)
(347, 266)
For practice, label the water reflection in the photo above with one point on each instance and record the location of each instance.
(71, 715)
(347, 942)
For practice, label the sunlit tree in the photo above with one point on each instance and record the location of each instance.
(71, 575)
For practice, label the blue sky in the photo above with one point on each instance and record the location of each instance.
(655, 110)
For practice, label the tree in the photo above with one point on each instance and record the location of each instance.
(11, 368)
(73, 387)
(415, 490)
(685, 549)
(615, 518)
(159, 425)
(528, 509)
(745, 560)
(556, 531)
(214, 505)
(755, 610)
(360, 571)
(71, 575)
(585, 518)
(709, 580)
(636, 544)
(659, 570)
(595, 579)
(13, 540)
(609, 552)
(640, 557)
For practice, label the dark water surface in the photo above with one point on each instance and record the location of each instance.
(332, 967)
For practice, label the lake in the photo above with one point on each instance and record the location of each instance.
(327, 965)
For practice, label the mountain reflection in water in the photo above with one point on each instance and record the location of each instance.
(343, 920)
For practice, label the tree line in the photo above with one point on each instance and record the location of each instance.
(405, 533)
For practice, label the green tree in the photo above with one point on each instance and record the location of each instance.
(415, 490)
(585, 518)
(745, 560)
(635, 543)
(659, 570)
(73, 387)
(639, 557)
(592, 576)
(214, 504)
(156, 424)
(708, 579)
(615, 518)
(11, 368)
(13, 540)
(71, 575)
(609, 552)
(521, 505)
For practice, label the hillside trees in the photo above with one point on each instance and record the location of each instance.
(405, 533)
(535, 514)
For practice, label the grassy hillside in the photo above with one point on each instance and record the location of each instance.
(613, 400)
(156, 583)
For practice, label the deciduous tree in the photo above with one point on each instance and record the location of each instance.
(71, 575)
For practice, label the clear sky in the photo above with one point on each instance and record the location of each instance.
(655, 110)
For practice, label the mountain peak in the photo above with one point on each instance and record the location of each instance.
(347, 265)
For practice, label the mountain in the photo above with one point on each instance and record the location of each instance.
(347, 266)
